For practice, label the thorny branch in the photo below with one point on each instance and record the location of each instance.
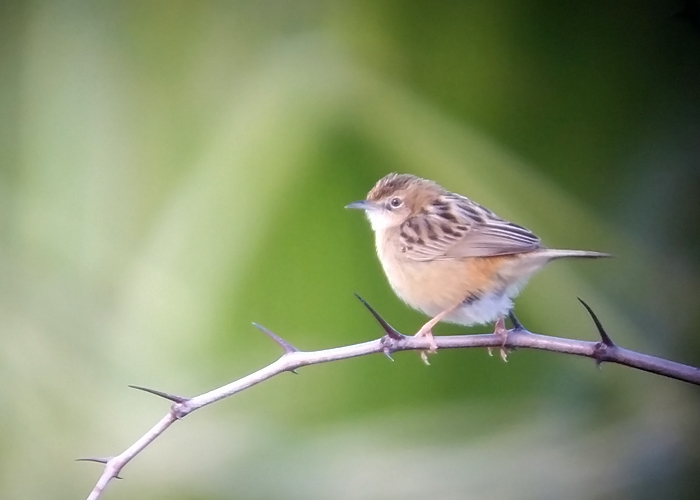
(603, 351)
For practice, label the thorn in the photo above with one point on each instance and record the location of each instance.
(517, 325)
(390, 330)
(97, 460)
(294, 372)
(94, 459)
(607, 341)
(288, 348)
(389, 346)
(165, 395)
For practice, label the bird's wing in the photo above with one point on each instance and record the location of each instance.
(460, 228)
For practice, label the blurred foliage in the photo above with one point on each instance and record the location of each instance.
(172, 171)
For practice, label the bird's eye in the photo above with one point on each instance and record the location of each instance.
(395, 202)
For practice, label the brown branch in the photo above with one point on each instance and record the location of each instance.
(603, 351)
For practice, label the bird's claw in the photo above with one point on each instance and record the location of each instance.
(433, 345)
(501, 330)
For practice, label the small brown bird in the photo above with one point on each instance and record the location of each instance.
(450, 257)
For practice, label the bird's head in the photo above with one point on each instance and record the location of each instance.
(397, 197)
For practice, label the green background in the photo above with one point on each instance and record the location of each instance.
(172, 171)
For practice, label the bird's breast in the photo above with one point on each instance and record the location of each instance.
(481, 286)
(429, 286)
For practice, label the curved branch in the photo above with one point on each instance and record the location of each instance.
(292, 359)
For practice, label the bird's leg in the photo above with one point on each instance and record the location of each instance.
(427, 331)
(501, 330)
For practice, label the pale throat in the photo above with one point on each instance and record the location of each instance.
(378, 220)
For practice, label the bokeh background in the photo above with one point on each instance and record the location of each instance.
(172, 171)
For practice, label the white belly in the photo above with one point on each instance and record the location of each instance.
(484, 310)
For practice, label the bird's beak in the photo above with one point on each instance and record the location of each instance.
(362, 205)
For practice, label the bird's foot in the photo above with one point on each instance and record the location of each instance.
(427, 331)
(501, 330)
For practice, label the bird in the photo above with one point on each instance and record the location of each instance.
(450, 257)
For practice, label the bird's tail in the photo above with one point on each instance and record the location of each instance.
(529, 263)
(552, 254)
